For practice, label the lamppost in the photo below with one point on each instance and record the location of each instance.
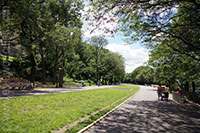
(60, 77)
(89, 80)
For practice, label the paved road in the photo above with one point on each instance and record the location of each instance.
(143, 113)
(15, 93)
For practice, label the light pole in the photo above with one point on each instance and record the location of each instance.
(89, 80)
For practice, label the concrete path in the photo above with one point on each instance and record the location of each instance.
(15, 93)
(143, 113)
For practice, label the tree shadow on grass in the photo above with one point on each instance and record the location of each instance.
(17, 93)
(151, 117)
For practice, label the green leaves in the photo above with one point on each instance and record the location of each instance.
(141, 75)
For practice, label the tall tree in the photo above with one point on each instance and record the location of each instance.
(98, 42)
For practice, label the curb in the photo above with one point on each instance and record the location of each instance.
(92, 124)
(65, 128)
(186, 100)
(193, 103)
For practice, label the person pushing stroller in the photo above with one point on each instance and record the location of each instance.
(163, 93)
(159, 91)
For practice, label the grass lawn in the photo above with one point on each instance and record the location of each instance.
(44, 113)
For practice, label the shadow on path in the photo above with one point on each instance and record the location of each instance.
(17, 93)
(151, 117)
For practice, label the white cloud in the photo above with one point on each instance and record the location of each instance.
(133, 57)
(109, 22)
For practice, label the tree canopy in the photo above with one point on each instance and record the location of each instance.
(48, 34)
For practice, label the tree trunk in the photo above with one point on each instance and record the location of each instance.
(61, 69)
(43, 65)
(33, 69)
(186, 86)
(55, 67)
(105, 82)
(60, 77)
(111, 81)
(193, 87)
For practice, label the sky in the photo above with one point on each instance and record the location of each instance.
(134, 54)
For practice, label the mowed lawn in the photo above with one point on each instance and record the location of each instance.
(45, 113)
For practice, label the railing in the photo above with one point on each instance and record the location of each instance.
(177, 97)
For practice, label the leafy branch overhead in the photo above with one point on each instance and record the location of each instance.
(152, 22)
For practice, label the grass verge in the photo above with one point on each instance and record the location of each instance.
(93, 118)
(44, 113)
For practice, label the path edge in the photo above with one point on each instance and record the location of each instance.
(102, 117)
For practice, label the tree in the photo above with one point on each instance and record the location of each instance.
(112, 67)
(98, 42)
(171, 66)
(151, 22)
(34, 22)
(141, 75)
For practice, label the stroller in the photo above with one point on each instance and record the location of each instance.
(164, 96)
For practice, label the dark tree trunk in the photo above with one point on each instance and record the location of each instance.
(193, 87)
(55, 67)
(33, 69)
(61, 69)
(111, 81)
(43, 64)
(186, 86)
(60, 77)
(105, 82)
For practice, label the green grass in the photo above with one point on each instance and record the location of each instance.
(85, 123)
(44, 113)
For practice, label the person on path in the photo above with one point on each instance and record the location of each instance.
(165, 93)
(159, 91)
(82, 82)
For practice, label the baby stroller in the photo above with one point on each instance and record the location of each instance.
(164, 96)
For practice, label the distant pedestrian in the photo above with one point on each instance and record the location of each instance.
(165, 92)
(82, 82)
(159, 91)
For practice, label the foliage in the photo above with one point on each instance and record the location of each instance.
(49, 33)
(141, 75)
(169, 28)
(151, 22)
(171, 66)
(98, 42)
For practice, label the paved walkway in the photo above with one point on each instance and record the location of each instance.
(15, 93)
(143, 113)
